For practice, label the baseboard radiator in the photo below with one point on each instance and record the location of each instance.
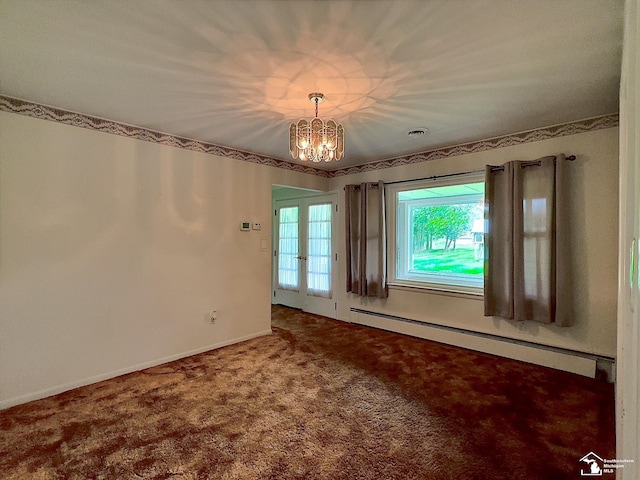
(575, 361)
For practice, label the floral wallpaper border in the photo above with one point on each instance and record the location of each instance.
(30, 109)
(581, 126)
(23, 107)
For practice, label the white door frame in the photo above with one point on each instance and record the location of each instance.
(628, 358)
(301, 298)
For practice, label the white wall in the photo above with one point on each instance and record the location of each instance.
(594, 225)
(628, 364)
(113, 251)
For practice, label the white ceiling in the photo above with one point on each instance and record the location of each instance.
(236, 73)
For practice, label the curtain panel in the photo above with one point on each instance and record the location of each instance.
(527, 243)
(366, 240)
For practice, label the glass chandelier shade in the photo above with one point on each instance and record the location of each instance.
(316, 140)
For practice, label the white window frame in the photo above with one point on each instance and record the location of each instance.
(445, 283)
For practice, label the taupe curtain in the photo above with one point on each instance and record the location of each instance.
(527, 242)
(366, 240)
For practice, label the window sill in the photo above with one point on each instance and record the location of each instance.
(439, 290)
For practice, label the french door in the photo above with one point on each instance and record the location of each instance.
(305, 254)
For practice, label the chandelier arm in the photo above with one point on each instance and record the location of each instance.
(316, 140)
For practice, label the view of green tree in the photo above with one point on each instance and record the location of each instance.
(441, 221)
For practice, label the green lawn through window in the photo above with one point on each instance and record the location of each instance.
(458, 261)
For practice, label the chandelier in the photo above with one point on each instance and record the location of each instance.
(316, 140)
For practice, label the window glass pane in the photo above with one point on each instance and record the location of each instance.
(288, 248)
(440, 192)
(319, 245)
(440, 235)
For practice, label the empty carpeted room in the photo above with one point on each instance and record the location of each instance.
(343, 239)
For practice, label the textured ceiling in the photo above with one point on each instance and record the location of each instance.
(236, 73)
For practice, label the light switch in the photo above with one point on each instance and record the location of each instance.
(257, 226)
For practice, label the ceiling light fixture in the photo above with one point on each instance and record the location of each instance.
(316, 140)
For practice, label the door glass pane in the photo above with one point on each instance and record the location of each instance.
(319, 257)
(288, 248)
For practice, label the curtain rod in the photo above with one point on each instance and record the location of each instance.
(571, 158)
(433, 177)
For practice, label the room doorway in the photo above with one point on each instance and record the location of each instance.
(305, 254)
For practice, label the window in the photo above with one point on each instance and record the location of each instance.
(319, 247)
(437, 232)
(288, 248)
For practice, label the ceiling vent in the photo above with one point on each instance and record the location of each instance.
(418, 132)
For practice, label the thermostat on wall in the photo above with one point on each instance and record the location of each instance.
(245, 226)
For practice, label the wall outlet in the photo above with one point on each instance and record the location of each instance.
(213, 317)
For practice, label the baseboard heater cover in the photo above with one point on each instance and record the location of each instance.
(602, 363)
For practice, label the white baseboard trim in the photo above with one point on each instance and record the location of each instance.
(10, 402)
